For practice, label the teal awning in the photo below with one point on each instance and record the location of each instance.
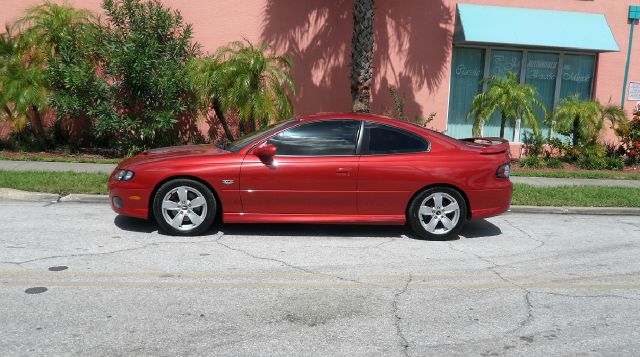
(478, 24)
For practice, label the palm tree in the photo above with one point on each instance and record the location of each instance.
(50, 24)
(511, 98)
(256, 83)
(362, 55)
(25, 49)
(205, 78)
(22, 82)
(583, 119)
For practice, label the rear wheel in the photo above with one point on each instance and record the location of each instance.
(184, 207)
(437, 213)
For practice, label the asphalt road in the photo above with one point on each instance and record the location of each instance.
(538, 285)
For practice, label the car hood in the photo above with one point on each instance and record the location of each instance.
(172, 152)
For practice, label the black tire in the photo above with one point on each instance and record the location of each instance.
(193, 187)
(419, 223)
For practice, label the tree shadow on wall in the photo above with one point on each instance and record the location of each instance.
(413, 41)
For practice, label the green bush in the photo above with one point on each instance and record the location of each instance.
(553, 163)
(614, 163)
(145, 52)
(532, 162)
(591, 162)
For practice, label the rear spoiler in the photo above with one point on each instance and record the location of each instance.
(490, 145)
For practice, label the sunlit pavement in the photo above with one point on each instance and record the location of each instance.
(75, 279)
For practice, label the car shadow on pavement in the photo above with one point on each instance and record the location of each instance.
(316, 230)
(473, 229)
(135, 224)
(480, 228)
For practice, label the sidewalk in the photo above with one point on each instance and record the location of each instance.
(108, 168)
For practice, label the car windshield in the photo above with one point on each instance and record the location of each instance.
(248, 139)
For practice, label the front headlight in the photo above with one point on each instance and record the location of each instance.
(123, 175)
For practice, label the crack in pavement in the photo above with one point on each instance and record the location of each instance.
(110, 252)
(541, 243)
(492, 269)
(289, 265)
(404, 344)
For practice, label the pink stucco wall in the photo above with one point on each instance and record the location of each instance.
(413, 44)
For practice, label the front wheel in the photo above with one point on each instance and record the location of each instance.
(437, 213)
(184, 207)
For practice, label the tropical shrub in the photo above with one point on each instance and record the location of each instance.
(257, 83)
(511, 98)
(145, 48)
(533, 144)
(23, 83)
(584, 119)
(630, 137)
(532, 162)
(553, 163)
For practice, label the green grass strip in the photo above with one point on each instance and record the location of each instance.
(579, 174)
(54, 182)
(577, 196)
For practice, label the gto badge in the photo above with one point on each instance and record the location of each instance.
(227, 182)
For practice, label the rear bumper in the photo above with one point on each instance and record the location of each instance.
(490, 202)
(129, 201)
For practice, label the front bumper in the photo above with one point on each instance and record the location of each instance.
(129, 201)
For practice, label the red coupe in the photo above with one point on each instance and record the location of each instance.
(329, 168)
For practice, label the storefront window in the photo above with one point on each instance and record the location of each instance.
(466, 72)
(502, 62)
(577, 75)
(542, 71)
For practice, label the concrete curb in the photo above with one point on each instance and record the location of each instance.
(17, 195)
(84, 198)
(598, 211)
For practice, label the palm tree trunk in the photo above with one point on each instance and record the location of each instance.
(362, 55)
(503, 123)
(252, 124)
(217, 108)
(37, 123)
(576, 130)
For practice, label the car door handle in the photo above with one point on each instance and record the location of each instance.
(344, 171)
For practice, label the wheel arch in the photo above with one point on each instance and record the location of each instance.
(448, 185)
(188, 177)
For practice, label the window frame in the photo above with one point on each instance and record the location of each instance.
(366, 139)
(525, 51)
(358, 137)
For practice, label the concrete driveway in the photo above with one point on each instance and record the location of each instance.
(75, 279)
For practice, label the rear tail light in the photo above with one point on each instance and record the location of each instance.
(503, 171)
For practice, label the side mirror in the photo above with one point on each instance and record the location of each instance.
(265, 152)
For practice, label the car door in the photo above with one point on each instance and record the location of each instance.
(390, 169)
(314, 171)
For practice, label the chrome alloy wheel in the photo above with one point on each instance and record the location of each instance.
(184, 208)
(439, 213)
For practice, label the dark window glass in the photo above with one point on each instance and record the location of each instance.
(330, 137)
(384, 139)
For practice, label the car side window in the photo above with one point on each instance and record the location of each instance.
(321, 138)
(384, 139)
